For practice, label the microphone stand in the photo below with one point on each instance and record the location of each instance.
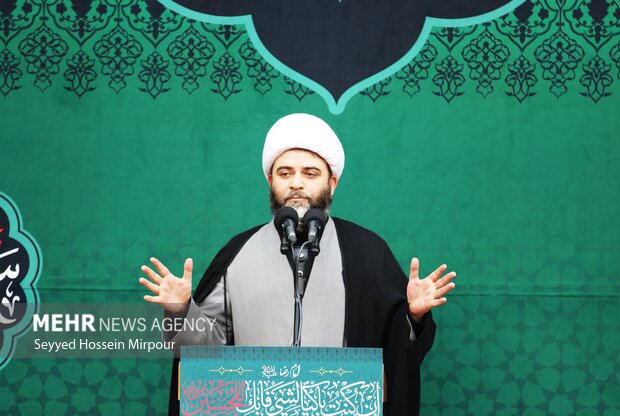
(298, 276)
(301, 260)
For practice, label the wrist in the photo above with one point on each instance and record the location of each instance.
(417, 317)
(178, 307)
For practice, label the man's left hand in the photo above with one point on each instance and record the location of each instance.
(426, 294)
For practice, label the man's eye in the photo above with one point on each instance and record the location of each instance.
(311, 174)
(285, 174)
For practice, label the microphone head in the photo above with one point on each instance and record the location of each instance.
(314, 214)
(285, 213)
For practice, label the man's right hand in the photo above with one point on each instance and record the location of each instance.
(171, 292)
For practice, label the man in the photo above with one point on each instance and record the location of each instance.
(357, 295)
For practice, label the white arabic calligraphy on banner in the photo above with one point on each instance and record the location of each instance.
(283, 398)
(8, 300)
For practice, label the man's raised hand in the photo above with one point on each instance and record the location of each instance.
(426, 294)
(170, 291)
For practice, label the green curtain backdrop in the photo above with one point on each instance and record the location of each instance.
(128, 131)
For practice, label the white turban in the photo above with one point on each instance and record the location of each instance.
(303, 131)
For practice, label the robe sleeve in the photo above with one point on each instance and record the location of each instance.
(208, 283)
(377, 314)
(208, 322)
(402, 356)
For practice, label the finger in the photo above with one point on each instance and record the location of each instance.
(414, 268)
(163, 270)
(445, 280)
(438, 272)
(149, 285)
(153, 299)
(151, 274)
(444, 290)
(187, 269)
(438, 302)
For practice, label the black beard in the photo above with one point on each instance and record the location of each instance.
(322, 202)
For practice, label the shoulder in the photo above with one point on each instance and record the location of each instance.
(227, 253)
(221, 261)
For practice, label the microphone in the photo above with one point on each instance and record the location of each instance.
(314, 220)
(286, 220)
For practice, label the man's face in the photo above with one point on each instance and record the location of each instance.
(302, 180)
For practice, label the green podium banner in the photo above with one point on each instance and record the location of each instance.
(281, 381)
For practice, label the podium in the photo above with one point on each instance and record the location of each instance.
(285, 381)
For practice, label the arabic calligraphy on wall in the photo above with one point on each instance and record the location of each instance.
(20, 263)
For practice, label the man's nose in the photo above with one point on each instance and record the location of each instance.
(296, 182)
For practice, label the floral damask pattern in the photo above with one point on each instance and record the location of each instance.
(615, 56)
(43, 50)
(417, 70)
(296, 90)
(485, 57)
(9, 72)
(16, 16)
(152, 19)
(154, 75)
(452, 36)
(80, 74)
(258, 68)
(226, 76)
(191, 53)
(596, 79)
(118, 52)
(521, 78)
(542, 47)
(226, 35)
(81, 20)
(559, 56)
(449, 78)
(378, 90)
(597, 21)
(526, 24)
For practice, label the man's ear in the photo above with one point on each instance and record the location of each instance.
(269, 179)
(333, 183)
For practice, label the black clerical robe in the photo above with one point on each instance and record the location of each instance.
(376, 311)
